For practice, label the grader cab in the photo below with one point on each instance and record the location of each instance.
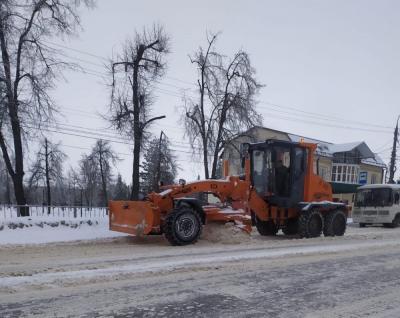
(278, 190)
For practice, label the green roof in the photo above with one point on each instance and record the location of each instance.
(338, 187)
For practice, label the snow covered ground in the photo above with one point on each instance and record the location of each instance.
(351, 276)
(39, 230)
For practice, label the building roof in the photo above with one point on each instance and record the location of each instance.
(376, 161)
(361, 146)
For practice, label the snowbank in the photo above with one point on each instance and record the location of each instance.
(38, 230)
(226, 233)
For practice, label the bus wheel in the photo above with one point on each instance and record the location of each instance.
(395, 223)
(362, 224)
(335, 223)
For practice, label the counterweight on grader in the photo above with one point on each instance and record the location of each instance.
(278, 190)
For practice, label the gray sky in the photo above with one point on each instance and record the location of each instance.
(324, 64)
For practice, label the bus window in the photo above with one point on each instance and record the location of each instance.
(374, 197)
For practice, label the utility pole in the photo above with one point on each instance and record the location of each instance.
(158, 175)
(392, 167)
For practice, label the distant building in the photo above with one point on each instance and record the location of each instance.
(345, 166)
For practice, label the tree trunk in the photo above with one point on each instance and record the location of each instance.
(135, 173)
(23, 210)
(8, 192)
(205, 158)
(137, 133)
(217, 143)
(48, 190)
(12, 103)
(103, 179)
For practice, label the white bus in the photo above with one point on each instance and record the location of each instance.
(377, 204)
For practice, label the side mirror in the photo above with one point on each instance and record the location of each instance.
(182, 182)
(396, 198)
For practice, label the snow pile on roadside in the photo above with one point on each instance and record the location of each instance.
(225, 233)
(38, 230)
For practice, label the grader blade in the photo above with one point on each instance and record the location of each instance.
(225, 215)
(132, 217)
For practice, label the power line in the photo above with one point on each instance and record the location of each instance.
(96, 138)
(317, 116)
(105, 59)
(95, 132)
(178, 95)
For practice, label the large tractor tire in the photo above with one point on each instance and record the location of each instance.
(311, 224)
(182, 226)
(266, 228)
(291, 227)
(335, 223)
(395, 223)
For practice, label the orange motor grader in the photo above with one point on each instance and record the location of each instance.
(278, 190)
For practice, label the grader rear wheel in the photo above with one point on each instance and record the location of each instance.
(335, 223)
(311, 224)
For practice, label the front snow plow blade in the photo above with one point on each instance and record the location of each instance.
(132, 217)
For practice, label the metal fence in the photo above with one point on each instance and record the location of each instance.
(13, 211)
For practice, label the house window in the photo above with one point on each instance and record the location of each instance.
(374, 178)
(324, 173)
(345, 173)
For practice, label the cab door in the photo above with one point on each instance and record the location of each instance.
(299, 156)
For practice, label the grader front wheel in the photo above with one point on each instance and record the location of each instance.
(182, 226)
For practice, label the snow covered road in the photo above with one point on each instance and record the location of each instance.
(352, 276)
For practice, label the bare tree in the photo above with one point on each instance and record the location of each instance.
(226, 106)
(90, 177)
(203, 60)
(47, 168)
(134, 73)
(5, 193)
(74, 187)
(28, 68)
(104, 157)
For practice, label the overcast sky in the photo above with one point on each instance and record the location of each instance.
(330, 68)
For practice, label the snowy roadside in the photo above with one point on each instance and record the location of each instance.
(168, 263)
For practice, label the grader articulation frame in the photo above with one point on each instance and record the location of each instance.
(278, 190)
